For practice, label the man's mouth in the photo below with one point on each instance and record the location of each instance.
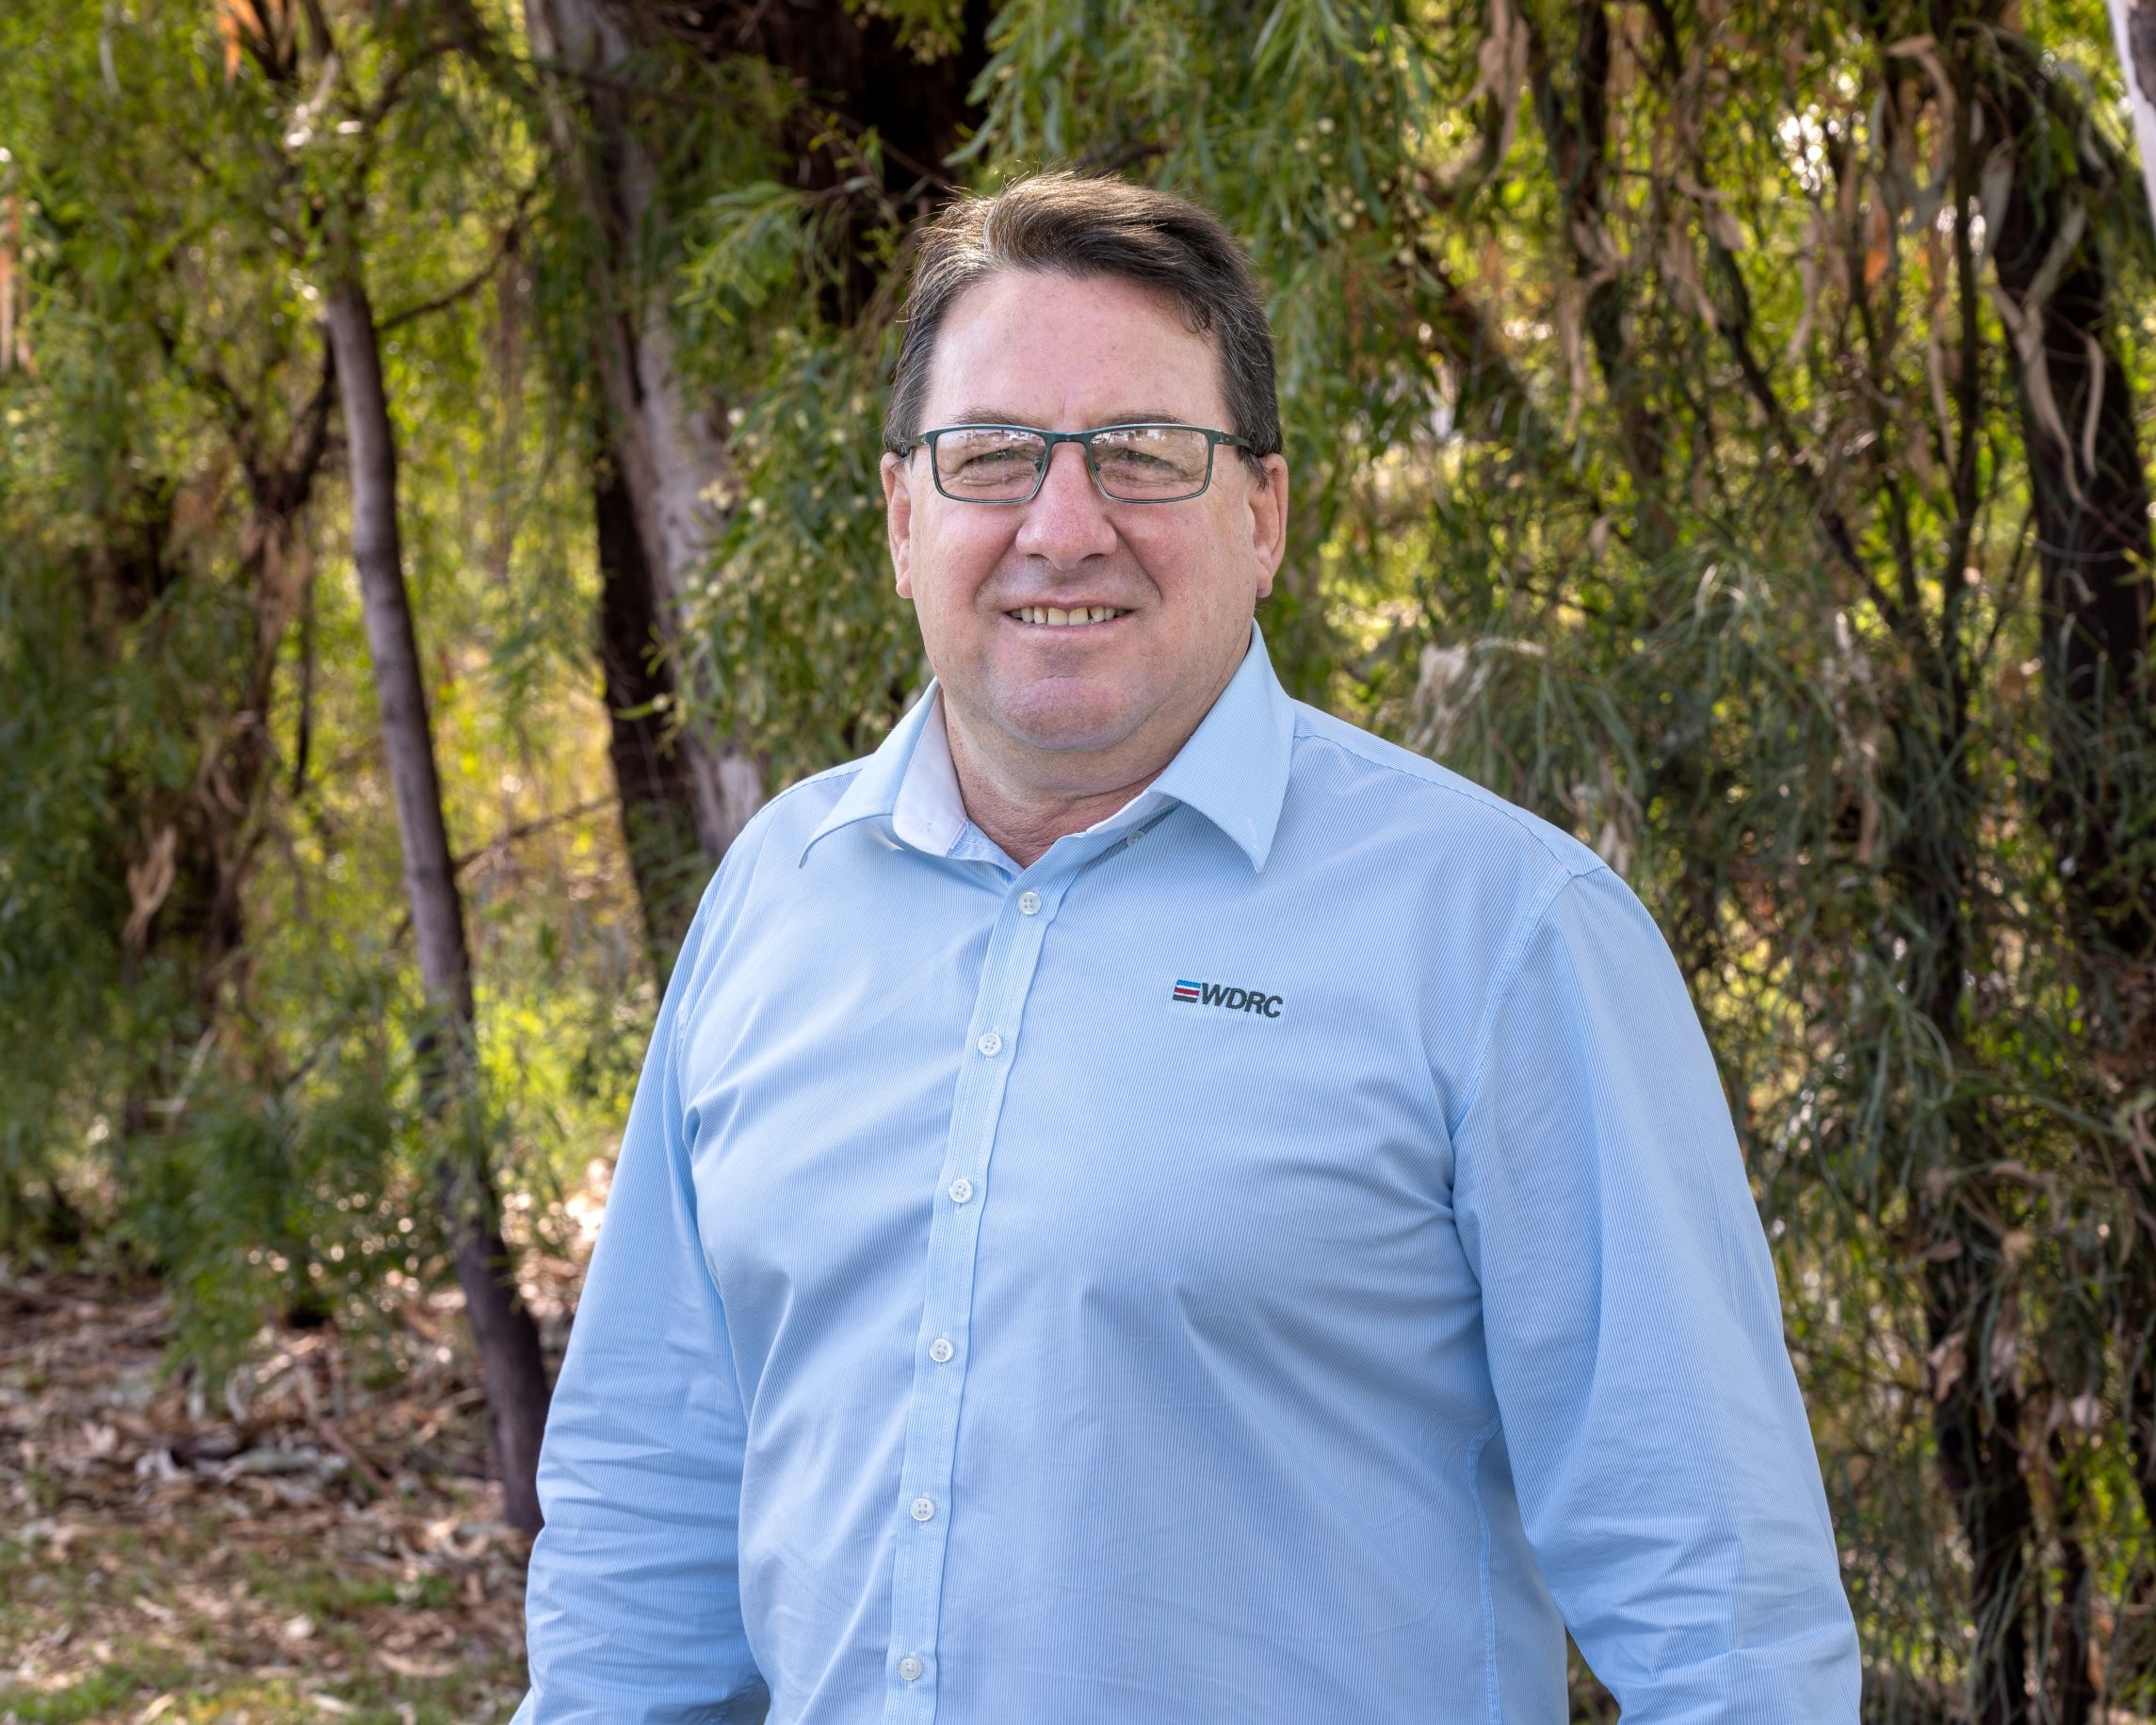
(1057, 617)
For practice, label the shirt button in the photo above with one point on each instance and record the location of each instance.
(962, 1190)
(922, 1508)
(910, 1668)
(990, 1044)
(939, 1350)
(1028, 904)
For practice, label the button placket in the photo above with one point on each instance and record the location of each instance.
(931, 1423)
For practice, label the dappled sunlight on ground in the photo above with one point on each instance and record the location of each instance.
(312, 1538)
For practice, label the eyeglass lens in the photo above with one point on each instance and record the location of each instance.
(1151, 463)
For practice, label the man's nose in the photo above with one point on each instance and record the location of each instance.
(1068, 519)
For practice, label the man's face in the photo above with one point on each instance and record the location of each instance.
(1179, 579)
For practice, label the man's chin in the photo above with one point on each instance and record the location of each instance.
(1073, 718)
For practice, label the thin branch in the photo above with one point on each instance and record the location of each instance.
(502, 246)
(210, 378)
(294, 479)
(503, 840)
(2010, 589)
(1969, 385)
(304, 730)
(1736, 320)
(373, 113)
(318, 21)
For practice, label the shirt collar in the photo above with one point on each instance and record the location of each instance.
(929, 813)
(1233, 769)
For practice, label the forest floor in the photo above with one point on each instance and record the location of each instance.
(313, 1539)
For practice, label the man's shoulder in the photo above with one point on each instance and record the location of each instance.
(1394, 789)
(761, 861)
(772, 842)
(798, 810)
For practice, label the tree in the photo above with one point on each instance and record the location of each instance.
(185, 352)
(661, 452)
(508, 1338)
(159, 560)
(850, 112)
(1723, 427)
(1722, 431)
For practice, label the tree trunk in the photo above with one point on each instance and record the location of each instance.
(2076, 1695)
(658, 821)
(1977, 1420)
(2134, 32)
(509, 1362)
(2089, 497)
(1977, 1425)
(664, 441)
(664, 445)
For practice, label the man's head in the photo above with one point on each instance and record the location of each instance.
(1068, 304)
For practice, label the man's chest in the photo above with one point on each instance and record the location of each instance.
(1206, 1109)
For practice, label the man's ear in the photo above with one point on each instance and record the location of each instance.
(1268, 519)
(898, 521)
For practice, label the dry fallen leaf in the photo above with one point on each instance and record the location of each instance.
(414, 1668)
(352, 1470)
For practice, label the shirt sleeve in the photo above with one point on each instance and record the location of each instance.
(1659, 1445)
(633, 1611)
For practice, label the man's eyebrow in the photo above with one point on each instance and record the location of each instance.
(993, 415)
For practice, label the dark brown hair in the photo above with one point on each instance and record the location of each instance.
(1073, 225)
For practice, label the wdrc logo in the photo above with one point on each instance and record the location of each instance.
(1233, 1000)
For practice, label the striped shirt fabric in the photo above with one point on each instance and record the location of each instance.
(1281, 1257)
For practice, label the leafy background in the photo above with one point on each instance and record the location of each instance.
(1720, 425)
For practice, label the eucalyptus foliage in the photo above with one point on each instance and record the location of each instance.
(1679, 400)
(1720, 425)
(207, 1009)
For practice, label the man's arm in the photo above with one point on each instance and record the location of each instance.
(633, 1612)
(1665, 1469)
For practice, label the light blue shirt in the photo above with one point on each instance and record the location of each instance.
(1283, 1256)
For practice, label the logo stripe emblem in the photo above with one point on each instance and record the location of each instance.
(1232, 1000)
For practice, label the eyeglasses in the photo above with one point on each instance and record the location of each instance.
(1130, 464)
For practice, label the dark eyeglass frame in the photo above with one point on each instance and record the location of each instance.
(1214, 440)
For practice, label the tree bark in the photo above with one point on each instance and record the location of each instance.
(513, 1369)
(2090, 501)
(2134, 32)
(1977, 1425)
(658, 822)
(2090, 493)
(2076, 1695)
(1977, 1415)
(665, 445)
(664, 441)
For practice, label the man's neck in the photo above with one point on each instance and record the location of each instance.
(1021, 814)
(1025, 798)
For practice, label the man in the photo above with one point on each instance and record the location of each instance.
(1146, 1203)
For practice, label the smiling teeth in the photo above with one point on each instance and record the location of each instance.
(1054, 617)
